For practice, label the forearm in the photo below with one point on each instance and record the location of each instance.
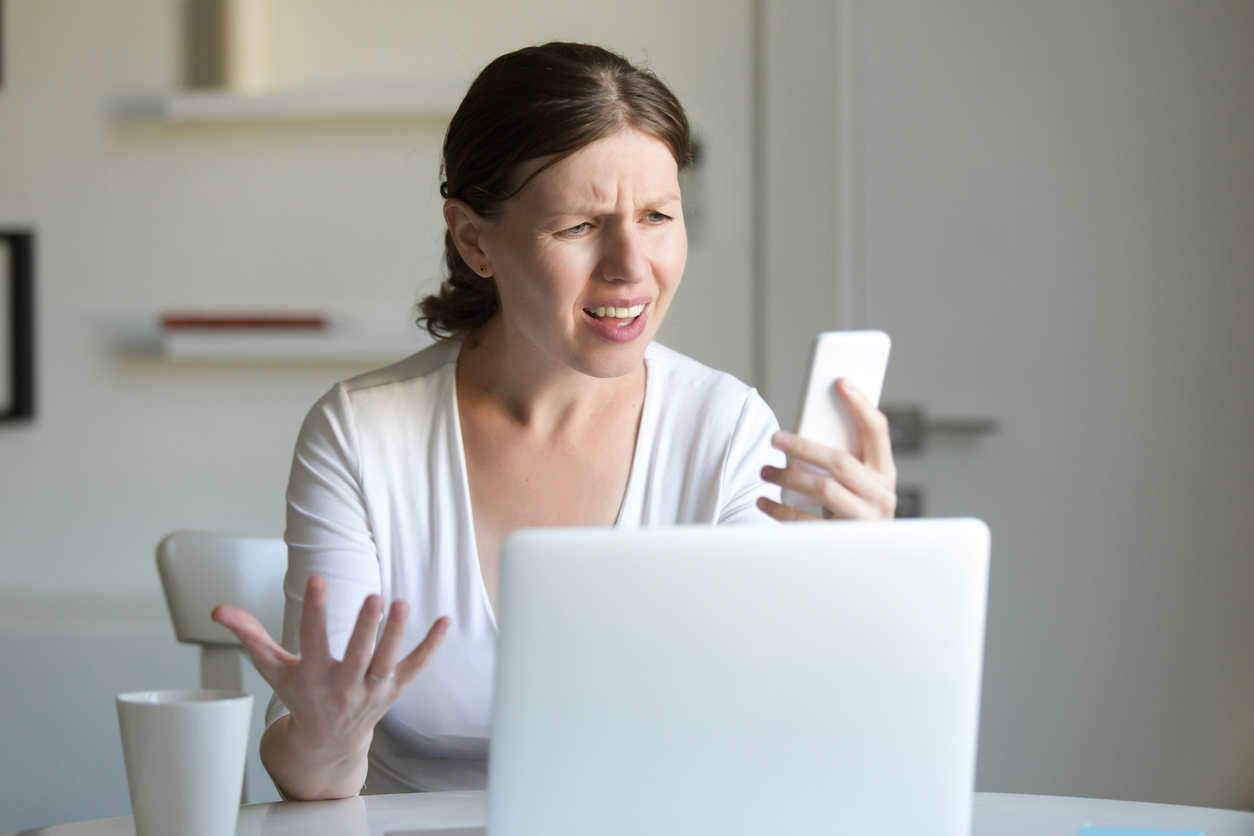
(305, 773)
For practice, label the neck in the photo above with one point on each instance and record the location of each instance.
(501, 368)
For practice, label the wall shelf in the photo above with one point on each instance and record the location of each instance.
(409, 100)
(362, 333)
(331, 347)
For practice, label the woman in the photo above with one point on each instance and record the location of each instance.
(543, 403)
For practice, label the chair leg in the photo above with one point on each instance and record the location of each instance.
(222, 667)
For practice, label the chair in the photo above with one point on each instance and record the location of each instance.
(198, 572)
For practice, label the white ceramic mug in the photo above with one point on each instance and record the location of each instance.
(185, 753)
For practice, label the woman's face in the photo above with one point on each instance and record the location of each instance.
(588, 254)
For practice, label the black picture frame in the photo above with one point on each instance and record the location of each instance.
(18, 404)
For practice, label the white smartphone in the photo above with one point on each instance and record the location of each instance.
(860, 356)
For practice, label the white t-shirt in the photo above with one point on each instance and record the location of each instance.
(378, 503)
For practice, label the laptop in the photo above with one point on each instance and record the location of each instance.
(785, 679)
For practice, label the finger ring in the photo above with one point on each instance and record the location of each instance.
(378, 678)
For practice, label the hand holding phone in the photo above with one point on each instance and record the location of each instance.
(860, 357)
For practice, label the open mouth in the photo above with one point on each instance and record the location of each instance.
(621, 316)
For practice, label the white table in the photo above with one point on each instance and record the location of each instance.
(996, 814)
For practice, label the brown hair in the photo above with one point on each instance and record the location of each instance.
(542, 101)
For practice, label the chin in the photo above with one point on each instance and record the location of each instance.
(608, 352)
(619, 361)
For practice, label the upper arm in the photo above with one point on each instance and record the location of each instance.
(328, 522)
(748, 450)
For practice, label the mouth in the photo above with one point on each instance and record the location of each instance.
(616, 316)
(619, 324)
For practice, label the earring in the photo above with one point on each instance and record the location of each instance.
(483, 269)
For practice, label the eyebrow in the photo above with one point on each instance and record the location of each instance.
(583, 210)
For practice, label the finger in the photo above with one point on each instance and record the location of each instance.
(267, 655)
(827, 492)
(313, 625)
(384, 662)
(408, 668)
(877, 445)
(783, 513)
(848, 470)
(361, 643)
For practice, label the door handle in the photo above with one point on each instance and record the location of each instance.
(909, 428)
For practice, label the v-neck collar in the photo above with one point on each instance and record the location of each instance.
(634, 474)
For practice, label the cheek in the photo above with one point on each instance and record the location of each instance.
(545, 284)
(672, 262)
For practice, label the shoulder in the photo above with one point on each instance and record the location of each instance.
(414, 368)
(401, 380)
(692, 392)
(389, 393)
(690, 382)
(707, 435)
(678, 371)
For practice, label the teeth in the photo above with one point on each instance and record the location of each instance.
(617, 313)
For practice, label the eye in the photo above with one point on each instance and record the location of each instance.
(657, 218)
(577, 230)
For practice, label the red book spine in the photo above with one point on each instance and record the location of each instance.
(242, 322)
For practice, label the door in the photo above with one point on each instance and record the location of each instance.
(1055, 223)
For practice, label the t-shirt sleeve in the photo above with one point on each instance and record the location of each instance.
(328, 527)
(747, 452)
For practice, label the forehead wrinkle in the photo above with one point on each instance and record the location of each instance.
(595, 199)
(589, 186)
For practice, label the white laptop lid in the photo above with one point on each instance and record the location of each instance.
(794, 679)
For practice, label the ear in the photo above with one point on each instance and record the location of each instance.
(467, 229)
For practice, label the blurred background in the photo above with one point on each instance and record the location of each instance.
(1048, 205)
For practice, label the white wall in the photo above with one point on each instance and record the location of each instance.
(800, 201)
(132, 220)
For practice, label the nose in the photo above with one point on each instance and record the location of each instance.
(624, 258)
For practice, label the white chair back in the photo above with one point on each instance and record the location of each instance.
(198, 572)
